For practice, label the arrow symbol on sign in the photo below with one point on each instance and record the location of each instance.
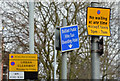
(70, 46)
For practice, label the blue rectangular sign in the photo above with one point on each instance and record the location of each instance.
(69, 38)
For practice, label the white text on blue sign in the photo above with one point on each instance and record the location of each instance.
(69, 38)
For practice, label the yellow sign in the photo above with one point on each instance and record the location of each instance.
(23, 56)
(23, 62)
(98, 21)
(23, 65)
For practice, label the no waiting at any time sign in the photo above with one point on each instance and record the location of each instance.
(98, 21)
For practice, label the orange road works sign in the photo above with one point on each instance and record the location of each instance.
(98, 21)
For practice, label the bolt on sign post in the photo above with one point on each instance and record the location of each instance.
(98, 21)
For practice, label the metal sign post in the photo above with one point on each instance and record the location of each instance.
(55, 59)
(95, 56)
(64, 59)
(69, 39)
(31, 27)
(97, 25)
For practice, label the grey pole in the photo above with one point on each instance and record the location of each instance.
(31, 27)
(95, 58)
(54, 60)
(64, 59)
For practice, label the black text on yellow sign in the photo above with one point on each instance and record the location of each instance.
(23, 65)
(23, 56)
(23, 62)
(98, 21)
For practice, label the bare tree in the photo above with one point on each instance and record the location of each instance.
(47, 16)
